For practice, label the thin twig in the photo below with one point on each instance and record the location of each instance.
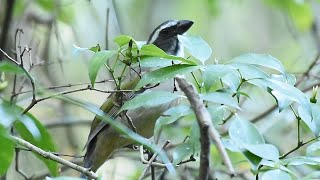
(64, 86)
(298, 147)
(53, 157)
(151, 160)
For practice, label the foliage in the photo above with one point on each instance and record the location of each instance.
(221, 86)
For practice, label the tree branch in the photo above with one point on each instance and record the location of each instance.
(204, 119)
(53, 157)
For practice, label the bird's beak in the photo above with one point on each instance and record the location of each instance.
(183, 26)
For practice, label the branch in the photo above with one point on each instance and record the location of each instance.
(151, 160)
(204, 119)
(53, 157)
(205, 152)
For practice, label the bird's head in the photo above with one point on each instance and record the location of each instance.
(165, 35)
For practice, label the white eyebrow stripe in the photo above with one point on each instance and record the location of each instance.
(156, 34)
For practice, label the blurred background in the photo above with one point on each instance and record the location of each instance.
(55, 29)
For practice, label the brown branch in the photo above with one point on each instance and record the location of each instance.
(204, 119)
(53, 157)
(205, 152)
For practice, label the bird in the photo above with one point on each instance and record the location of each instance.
(103, 140)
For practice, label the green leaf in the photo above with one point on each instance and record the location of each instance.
(233, 81)
(95, 49)
(195, 137)
(265, 151)
(231, 145)
(244, 132)
(214, 72)
(150, 99)
(9, 67)
(276, 174)
(221, 98)
(122, 129)
(181, 152)
(31, 130)
(153, 50)
(277, 164)
(96, 62)
(122, 40)
(7, 150)
(249, 71)
(302, 16)
(313, 149)
(287, 91)
(196, 46)
(47, 5)
(253, 159)
(63, 178)
(166, 73)
(313, 122)
(261, 60)
(170, 116)
(283, 100)
(217, 114)
(150, 61)
(7, 114)
(301, 160)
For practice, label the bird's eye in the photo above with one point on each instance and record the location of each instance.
(165, 31)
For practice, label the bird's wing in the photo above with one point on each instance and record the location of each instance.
(112, 110)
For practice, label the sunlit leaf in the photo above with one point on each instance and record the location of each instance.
(163, 74)
(313, 122)
(313, 149)
(300, 160)
(214, 72)
(249, 71)
(261, 60)
(122, 40)
(182, 152)
(150, 61)
(7, 150)
(243, 131)
(276, 174)
(170, 116)
(150, 99)
(265, 151)
(196, 46)
(96, 62)
(195, 137)
(28, 126)
(222, 98)
(63, 178)
(7, 114)
(288, 91)
(6, 66)
(153, 50)
(217, 114)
